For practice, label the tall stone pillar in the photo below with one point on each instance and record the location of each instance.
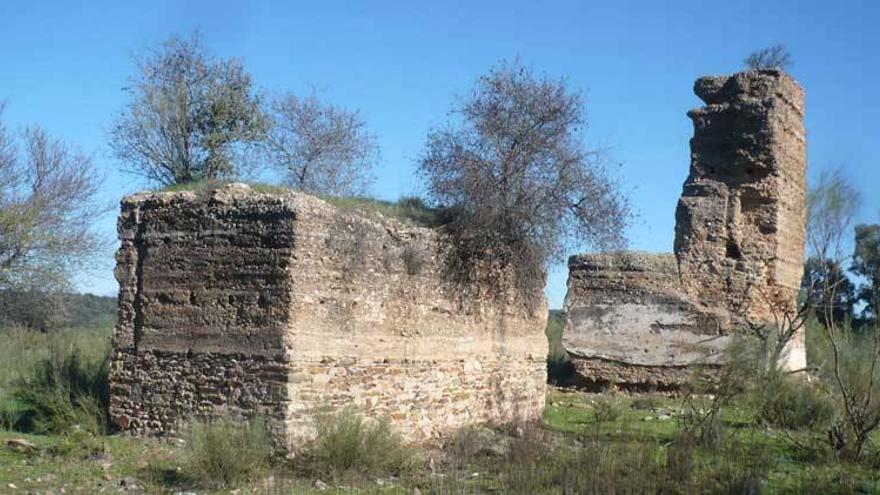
(740, 222)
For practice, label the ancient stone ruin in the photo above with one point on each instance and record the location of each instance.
(643, 320)
(240, 303)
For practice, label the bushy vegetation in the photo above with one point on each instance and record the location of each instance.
(54, 382)
(206, 186)
(225, 452)
(348, 446)
(412, 210)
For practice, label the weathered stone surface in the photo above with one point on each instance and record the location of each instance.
(739, 235)
(639, 319)
(617, 296)
(629, 323)
(234, 302)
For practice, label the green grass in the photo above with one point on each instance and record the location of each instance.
(209, 185)
(585, 442)
(24, 351)
(411, 210)
(407, 209)
(571, 446)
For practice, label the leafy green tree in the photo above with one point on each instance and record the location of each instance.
(866, 263)
(48, 208)
(836, 304)
(190, 116)
(321, 148)
(514, 170)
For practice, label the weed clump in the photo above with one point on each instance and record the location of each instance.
(224, 452)
(63, 393)
(346, 446)
(791, 403)
(608, 409)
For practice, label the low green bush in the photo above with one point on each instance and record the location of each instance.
(224, 452)
(411, 210)
(607, 409)
(47, 377)
(792, 403)
(347, 445)
(63, 392)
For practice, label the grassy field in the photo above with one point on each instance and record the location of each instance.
(594, 443)
(586, 443)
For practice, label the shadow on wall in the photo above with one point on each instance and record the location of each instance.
(560, 371)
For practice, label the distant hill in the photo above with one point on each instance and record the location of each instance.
(85, 310)
(56, 311)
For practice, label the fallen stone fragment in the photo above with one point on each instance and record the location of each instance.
(21, 445)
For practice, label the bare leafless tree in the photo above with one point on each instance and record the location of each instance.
(831, 207)
(774, 57)
(47, 211)
(516, 174)
(321, 148)
(853, 370)
(190, 116)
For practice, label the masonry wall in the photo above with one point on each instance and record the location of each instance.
(740, 222)
(233, 302)
(375, 323)
(203, 310)
(629, 323)
(643, 320)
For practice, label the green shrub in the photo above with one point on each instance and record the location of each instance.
(608, 409)
(33, 368)
(347, 445)
(64, 392)
(407, 209)
(78, 443)
(223, 452)
(791, 403)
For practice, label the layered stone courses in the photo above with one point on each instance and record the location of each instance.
(239, 303)
(641, 319)
(740, 222)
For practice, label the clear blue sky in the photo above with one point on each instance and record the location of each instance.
(63, 64)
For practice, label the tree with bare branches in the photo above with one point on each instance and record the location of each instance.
(774, 57)
(47, 212)
(514, 171)
(853, 368)
(321, 148)
(190, 116)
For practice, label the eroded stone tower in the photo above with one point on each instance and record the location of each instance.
(740, 222)
(643, 319)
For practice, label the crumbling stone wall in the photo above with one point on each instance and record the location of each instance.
(644, 320)
(628, 322)
(239, 303)
(740, 222)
